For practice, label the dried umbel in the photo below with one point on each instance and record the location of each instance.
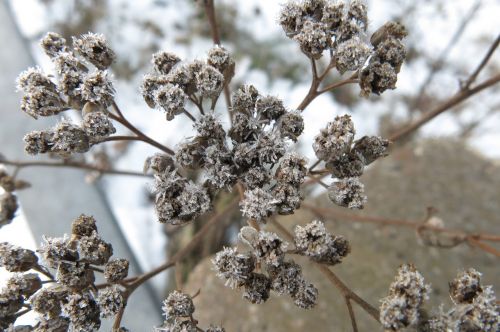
(406, 295)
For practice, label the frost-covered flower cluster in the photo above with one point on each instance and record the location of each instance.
(265, 267)
(178, 309)
(340, 27)
(71, 300)
(475, 306)
(252, 152)
(401, 308)
(76, 86)
(346, 159)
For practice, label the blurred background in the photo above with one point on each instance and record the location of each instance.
(451, 164)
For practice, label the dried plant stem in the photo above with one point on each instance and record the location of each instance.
(70, 164)
(136, 282)
(140, 135)
(339, 284)
(351, 314)
(465, 92)
(474, 239)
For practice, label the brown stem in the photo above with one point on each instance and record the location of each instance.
(143, 137)
(351, 314)
(483, 63)
(70, 164)
(346, 291)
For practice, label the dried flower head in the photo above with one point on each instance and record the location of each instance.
(38, 142)
(292, 169)
(233, 267)
(257, 288)
(54, 250)
(95, 49)
(351, 55)
(258, 204)
(314, 241)
(348, 192)
(94, 250)
(16, 259)
(25, 284)
(159, 163)
(163, 62)
(406, 295)
(209, 81)
(267, 247)
(8, 208)
(69, 138)
(178, 304)
(83, 311)
(97, 87)
(335, 139)
(98, 126)
(110, 301)
(53, 44)
(171, 98)
(286, 278)
(291, 125)
(48, 301)
(466, 286)
(220, 58)
(371, 148)
(116, 269)
(42, 102)
(306, 296)
(71, 72)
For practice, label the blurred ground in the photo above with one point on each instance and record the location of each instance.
(462, 185)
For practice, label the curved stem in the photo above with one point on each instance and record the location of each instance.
(143, 137)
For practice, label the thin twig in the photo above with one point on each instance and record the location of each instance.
(71, 164)
(483, 63)
(351, 314)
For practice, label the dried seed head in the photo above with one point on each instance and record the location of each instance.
(388, 30)
(348, 192)
(351, 55)
(258, 204)
(97, 87)
(256, 177)
(98, 126)
(194, 201)
(208, 126)
(151, 83)
(270, 147)
(38, 142)
(347, 165)
(257, 288)
(183, 76)
(48, 301)
(233, 267)
(406, 295)
(16, 259)
(333, 14)
(69, 138)
(221, 59)
(466, 286)
(94, 250)
(178, 304)
(270, 107)
(306, 296)
(76, 276)
(8, 208)
(291, 18)
(213, 328)
(42, 102)
(116, 269)
(371, 148)
(291, 125)
(10, 302)
(171, 98)
(244, 99)
(159, 163)
(95, 49)
(357, 12)
(83, 312)
(335, 139)
(54, 250)
(25, 284)
(53, 44)
(209, 81)
(314, 241)
(288, 196)
(292, 169)
(34, 79)
(71, 73)
(392, 51)
(163, 62)
(313, 39)
(268, 248)
(53, 324)
(286, 278)
(110, 301)
(377, 77)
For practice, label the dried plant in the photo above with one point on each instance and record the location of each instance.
(255, 156)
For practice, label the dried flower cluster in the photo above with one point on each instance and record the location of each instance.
(475, 306)
(265, 267)
(70, 301)
(340, 28)
(346, 159)
(77, 87)
(8, 200)
(178, 309)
